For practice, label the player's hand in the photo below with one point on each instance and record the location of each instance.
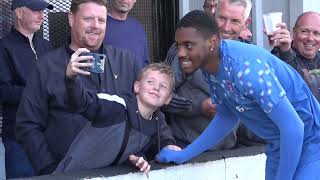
(167, 155)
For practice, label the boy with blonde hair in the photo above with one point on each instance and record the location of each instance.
(121, 127)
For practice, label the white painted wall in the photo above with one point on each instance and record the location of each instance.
(240, 168)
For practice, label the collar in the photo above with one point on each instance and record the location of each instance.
(18, 35)
(71, 51)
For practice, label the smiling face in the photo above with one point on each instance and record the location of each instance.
(306, 35)
(153, 90)
(230, 19)
(192, 49)
(88, 26)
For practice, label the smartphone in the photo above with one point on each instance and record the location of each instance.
(98, 62)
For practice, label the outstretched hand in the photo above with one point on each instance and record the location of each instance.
(167, 155)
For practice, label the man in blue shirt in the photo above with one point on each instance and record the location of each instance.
(247, 82)
(126, 32)
(19, 53)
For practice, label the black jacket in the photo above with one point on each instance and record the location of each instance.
(116, 130)
(304, 66)
(46, 125)
(17, 60)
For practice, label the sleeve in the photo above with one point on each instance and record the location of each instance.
(288, 57)
(291, 137)
(31, 123)
(10, 93)
(219, 127)
(102, 109)
(178, 105)
(171, 55)
(268, 92)
(166, 137)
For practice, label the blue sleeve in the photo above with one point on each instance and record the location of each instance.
(291, 137)
(218, 128)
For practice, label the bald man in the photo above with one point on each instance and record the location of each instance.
(302, 50)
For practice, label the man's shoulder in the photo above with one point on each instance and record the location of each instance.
(9, 39)
(134, 21)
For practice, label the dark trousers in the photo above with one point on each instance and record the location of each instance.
(16, 160)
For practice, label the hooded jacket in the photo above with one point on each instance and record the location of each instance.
(116, 130)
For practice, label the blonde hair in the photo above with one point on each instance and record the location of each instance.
(160, 67)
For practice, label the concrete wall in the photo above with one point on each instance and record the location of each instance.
(240, 168)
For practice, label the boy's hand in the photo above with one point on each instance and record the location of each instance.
(75, 64)
(140, 163)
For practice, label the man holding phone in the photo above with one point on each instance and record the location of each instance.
(46, 125)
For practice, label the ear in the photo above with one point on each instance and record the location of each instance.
(294, 30)
(248, 21)
(169, 99)
(18, 12)
(71, 19)
(213, 41)
(136, 87)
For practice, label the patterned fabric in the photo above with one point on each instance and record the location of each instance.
(250, 85)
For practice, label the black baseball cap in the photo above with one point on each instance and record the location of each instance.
(34, 5)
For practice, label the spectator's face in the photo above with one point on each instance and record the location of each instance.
(154, 89)
(210, 6)
(123, 6)
(192, 49)
(88, 26)
(306, 35)
(230, 19)
(29, 20)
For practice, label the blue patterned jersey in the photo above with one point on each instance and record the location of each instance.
(251, 82)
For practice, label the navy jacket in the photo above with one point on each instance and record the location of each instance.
(17, 60)
(46, 125)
